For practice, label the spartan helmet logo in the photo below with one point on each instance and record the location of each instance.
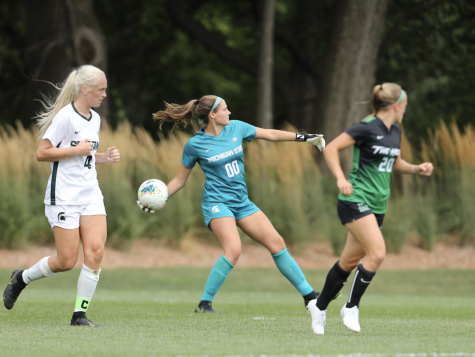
(61, 216)
(215, 209)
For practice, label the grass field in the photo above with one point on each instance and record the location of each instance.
(150, 313)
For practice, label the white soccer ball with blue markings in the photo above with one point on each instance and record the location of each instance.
(153, 194)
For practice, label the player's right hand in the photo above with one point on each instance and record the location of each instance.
(346, 188)
(84, 148)
(145, 209)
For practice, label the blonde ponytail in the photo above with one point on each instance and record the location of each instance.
(86, 75)
(384, 95)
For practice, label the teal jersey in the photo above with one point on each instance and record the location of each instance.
(222, 161)
(374, 153)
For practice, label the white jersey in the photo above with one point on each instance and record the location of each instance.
(73, 181)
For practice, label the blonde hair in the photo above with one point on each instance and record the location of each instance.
(69, 90)
(384, 95)
(182, 114)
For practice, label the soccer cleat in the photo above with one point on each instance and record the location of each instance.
(350, 318)
(13, 289)
(205, 308)
(79, 319)
(337, 296)
(318, 317)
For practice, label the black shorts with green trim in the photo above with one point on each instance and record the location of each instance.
(352, 211)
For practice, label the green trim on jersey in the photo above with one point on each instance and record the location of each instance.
(368, 120)
(82, 116)
(53, 183)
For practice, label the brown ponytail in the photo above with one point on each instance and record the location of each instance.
(182, 114)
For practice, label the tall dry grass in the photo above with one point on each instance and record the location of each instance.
(452, 153)
(283, 180)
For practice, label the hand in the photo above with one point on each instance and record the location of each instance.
(346, 188)
(84, 148)
(425, 169)
(113, 155)
(316, 140)
(145, 208)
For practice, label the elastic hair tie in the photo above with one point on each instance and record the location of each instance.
(380, 87)
(197, 101)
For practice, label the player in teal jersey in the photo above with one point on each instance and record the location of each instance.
(362, 200)
(217, 148)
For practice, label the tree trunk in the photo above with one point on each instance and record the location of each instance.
(62, 35)
(266, 64)
(351, 65)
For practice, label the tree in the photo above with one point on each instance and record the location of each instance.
(317, 97)
(351, 64)
(61, 35)
(264, 93)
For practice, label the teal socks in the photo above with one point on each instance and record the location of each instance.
(216, 278)
(289, 268)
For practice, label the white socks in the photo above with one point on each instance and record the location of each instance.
(37, 271)
(87, 283)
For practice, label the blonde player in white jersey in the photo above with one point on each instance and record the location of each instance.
(74, 204)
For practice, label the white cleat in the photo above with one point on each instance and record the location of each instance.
(350, 318)
(318, 317)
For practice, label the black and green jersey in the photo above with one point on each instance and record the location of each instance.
(374, 153)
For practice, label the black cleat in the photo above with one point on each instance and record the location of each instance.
(13, 289)
(205, 308)
(79, 319)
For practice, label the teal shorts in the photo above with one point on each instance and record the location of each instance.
(221, 210)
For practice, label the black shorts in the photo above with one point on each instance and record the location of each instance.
(351, 211)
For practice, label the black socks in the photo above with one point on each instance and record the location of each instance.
(361, 281)
(336, 278)
(312, 296)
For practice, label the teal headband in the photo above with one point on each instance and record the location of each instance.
(218, 99)
(397, 101)
(216, 103)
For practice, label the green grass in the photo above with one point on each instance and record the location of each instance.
(149, 313)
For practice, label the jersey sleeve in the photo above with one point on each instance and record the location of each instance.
(359, 132)
(189, 157)
(248, 131)
(57, 131)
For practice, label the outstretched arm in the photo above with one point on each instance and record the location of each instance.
(333, 161)
(274, 135)
(279, 135)
(179, 180)
(403, 167)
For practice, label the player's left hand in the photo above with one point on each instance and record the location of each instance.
(145, 209)
(425, 169)
(113, 155)
(316, 140)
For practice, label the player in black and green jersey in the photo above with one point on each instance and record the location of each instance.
(362, 200)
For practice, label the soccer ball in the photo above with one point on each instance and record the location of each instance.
(153, 194)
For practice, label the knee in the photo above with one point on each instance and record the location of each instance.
(65, 264)
(233, 253)
(95, 253)
(349, 265)
(378, 257)
(276, 244)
